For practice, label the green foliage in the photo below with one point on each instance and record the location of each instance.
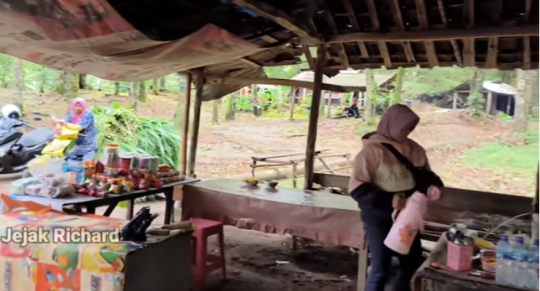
(475, 103)
(136, 134)
(429, 81)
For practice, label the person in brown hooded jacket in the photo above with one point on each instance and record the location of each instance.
(380, 183)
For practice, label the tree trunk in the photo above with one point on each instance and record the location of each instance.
(132, 94)
(68, 87)
(396, 98)
(179, 112)
(215, 111)
(254, 100)
(520, 113)
(155, 85)
(329, 106)
(43, 80)
(371, 95)
(141, 92)
(292, 103)
(19, 83)
(476, 101)
(230, 110)
(82, 81)
(162, 84)
(531, 77)
(117, 88)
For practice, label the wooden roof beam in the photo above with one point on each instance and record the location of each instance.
(429, 45)
(398, 19)
(438, 35)
(453, 42)
(281, 18)
(377, 26)
(354, 23)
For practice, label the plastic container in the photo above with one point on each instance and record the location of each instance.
(520, 264)
(407, 224)
(503, 271)
(532, 270)
(459, 258)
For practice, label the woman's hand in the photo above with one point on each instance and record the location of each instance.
(399, 201)
(434, 193)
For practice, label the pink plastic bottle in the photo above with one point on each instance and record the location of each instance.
(407, 224)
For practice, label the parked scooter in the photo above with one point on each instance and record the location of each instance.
(17, 149)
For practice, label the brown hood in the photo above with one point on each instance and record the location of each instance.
(398, 122)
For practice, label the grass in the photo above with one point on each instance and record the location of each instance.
(362, 128)
(500, 157)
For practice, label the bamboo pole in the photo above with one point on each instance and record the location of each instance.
(185, 125)
(314, 117)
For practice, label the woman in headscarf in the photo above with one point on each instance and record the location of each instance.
(86, 143)
(380, 183)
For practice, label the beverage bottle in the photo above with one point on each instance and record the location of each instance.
(503, 271)
(532, 270)
(519, 263)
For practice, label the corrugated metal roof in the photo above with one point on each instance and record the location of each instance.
(500, 88)
(346, 78)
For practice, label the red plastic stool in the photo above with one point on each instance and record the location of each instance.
(205, 263)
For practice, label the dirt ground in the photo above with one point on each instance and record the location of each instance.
(225, 149)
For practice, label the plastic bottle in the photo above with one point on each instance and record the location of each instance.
(532, 270)
(519, 263)
(503, 271)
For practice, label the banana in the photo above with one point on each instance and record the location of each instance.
(483, 244)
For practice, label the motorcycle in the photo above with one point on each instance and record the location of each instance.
(17, 150)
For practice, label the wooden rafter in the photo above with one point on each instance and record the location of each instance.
(493, 43)
(281, 18)
(469, 58)
(527, 40)
(526, 53)
(398, 19)
(354, 23)
(429, 45)
(438, 35)
(453, 42)
(493, 48)
(377, 26)
(527, 14)
(309, 57)
(339, 47)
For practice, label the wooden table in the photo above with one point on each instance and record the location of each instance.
(88, 204)
(441, 279)
(112, 201)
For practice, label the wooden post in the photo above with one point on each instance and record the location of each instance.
(196, 122)
(314, 117)
(185, 125)
(489, 102)
(454, 101)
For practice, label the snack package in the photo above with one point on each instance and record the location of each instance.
(19, 186)
(56, 187)
(33, 190)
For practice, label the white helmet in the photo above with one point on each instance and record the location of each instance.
(11, 111)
